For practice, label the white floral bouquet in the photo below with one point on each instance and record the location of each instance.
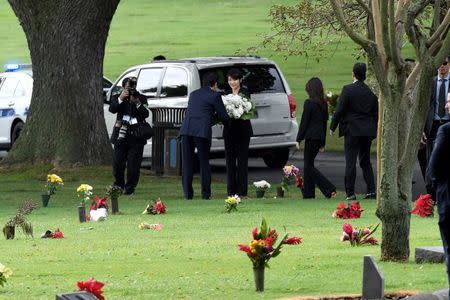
(238, 106)
(231, 203)
(261, 185)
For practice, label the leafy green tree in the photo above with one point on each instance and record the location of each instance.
(66, 39)
(380, 28)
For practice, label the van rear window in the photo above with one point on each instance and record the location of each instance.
(257, 78)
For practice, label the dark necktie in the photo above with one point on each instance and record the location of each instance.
(441, 99)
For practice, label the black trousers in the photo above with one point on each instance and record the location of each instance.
(354, 147)
(236, 157)
(188, 145)
(312, 177)
(127, 154)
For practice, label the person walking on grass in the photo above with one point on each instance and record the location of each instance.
(357, 117)
(313, 128)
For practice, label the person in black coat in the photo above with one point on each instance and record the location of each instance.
(237, 140)
(357, 117)
(128, 149)
(438, 174)
(313, 128)
(196, 133)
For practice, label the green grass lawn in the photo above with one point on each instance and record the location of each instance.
(195, 256)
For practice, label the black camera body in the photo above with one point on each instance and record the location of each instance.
(133, 92)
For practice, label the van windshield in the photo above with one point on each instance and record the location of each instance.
(257, 78)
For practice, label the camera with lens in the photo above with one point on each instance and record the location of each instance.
(133, 92)
(123, 130)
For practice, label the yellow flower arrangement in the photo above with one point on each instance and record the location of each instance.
(53, 181)
(85, 192)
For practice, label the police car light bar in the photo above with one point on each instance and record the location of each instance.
(15, 67)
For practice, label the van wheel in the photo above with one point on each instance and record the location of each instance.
(16, 132)
(276, 158)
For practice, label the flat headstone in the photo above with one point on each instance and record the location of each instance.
(438, 295)
(373, 280)
(81, 295)
(430, 255)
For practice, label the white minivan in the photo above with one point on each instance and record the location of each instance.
(168, 83)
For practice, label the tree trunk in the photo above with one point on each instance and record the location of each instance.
(393, 210)
(67, 40)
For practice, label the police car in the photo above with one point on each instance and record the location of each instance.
(16, 87)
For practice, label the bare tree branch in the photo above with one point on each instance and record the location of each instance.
(436, 15)
(350, 32)
(365, 7)
(394, 46)
(443, 27)
(444, 50)
(378, 31)
(413, 32)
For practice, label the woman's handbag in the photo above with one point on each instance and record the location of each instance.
(143, 130)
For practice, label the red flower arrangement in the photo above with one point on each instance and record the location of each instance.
(424, 206)
(156, 208)
(58, 234)
(98, 202)
(353, 210)
(92, 286)
(357, 236)
(262, 248)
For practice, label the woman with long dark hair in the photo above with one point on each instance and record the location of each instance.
(313, 127)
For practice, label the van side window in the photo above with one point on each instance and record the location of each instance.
(257, 78)
(148, 81)
(174, 83)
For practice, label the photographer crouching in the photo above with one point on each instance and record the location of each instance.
(126, 137)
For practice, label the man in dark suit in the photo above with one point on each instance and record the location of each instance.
(196, 133)
(437, 114)
(438, 173)
(357, 117)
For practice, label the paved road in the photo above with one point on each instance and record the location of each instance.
(332, 165)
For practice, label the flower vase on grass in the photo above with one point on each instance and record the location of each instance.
(290, 174)
(20, 220)
(53, 181)
(261, 187)
(84, 192)
(262, 248)
(114, 193)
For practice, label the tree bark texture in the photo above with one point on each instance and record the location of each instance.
(67, 40)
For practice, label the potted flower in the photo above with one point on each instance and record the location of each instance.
(231, 203)
(84, 192)
(4, 274)
(20, 219)
(92, 286)
(262, 248)
(114, 193)
(424, 206)
(98, 210)
(358, 236)
(53, 182)
(261, 187)
(156, 208)
(290, 173)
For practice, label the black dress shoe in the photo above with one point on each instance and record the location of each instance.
(351, 197)
(129, 192)
(370, 196)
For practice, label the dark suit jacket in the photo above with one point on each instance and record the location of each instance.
(357, 111)
(313, 125)
(439, 168)
(199, 115)
(128, 108)
(431, 108)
